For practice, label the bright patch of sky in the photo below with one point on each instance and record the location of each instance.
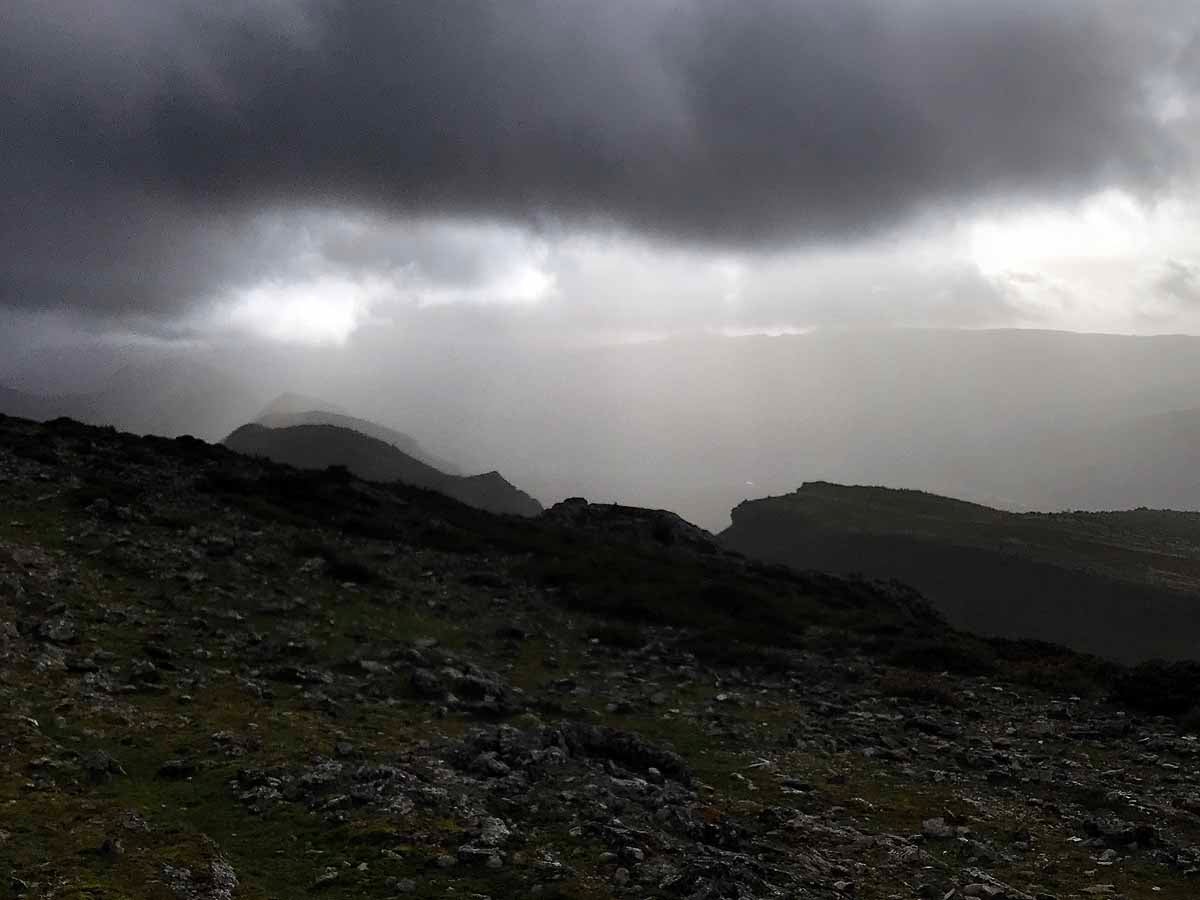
(1111, 262)
(324, 311)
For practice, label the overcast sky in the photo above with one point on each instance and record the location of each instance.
(311, 171)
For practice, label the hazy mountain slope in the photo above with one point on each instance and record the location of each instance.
(1146, 460)
(1125, 585)
(290, 403)
(402, 442)
(321, 446)
(1013, 419)
(173, 399)
(698, 425)
(28, 406)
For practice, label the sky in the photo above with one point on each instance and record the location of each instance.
(304, 173)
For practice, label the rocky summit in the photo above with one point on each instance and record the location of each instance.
(224, 678)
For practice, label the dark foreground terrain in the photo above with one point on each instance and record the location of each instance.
(1125, 585)
(223, 678)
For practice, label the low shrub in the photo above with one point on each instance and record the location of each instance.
(920, 687)
(115, 491)
(340, 564)
(1160, 688)
(717, 649)
(959, 654)
(621, 635)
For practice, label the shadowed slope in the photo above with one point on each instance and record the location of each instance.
(319, 446)
(402, 442)
(1121, 584)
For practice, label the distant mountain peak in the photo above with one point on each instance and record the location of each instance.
(327, 416)
(289, 403)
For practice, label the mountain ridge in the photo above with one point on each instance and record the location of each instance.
(319, 445)
(1119, 583)
(273, 418)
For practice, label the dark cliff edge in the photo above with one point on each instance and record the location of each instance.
(1125, 585)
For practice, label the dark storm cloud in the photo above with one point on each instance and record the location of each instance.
(140, 142)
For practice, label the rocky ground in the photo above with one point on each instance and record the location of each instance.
(220, 679)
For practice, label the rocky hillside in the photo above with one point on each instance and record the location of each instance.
(1120, 584)
(224, 678)
(318, 446)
